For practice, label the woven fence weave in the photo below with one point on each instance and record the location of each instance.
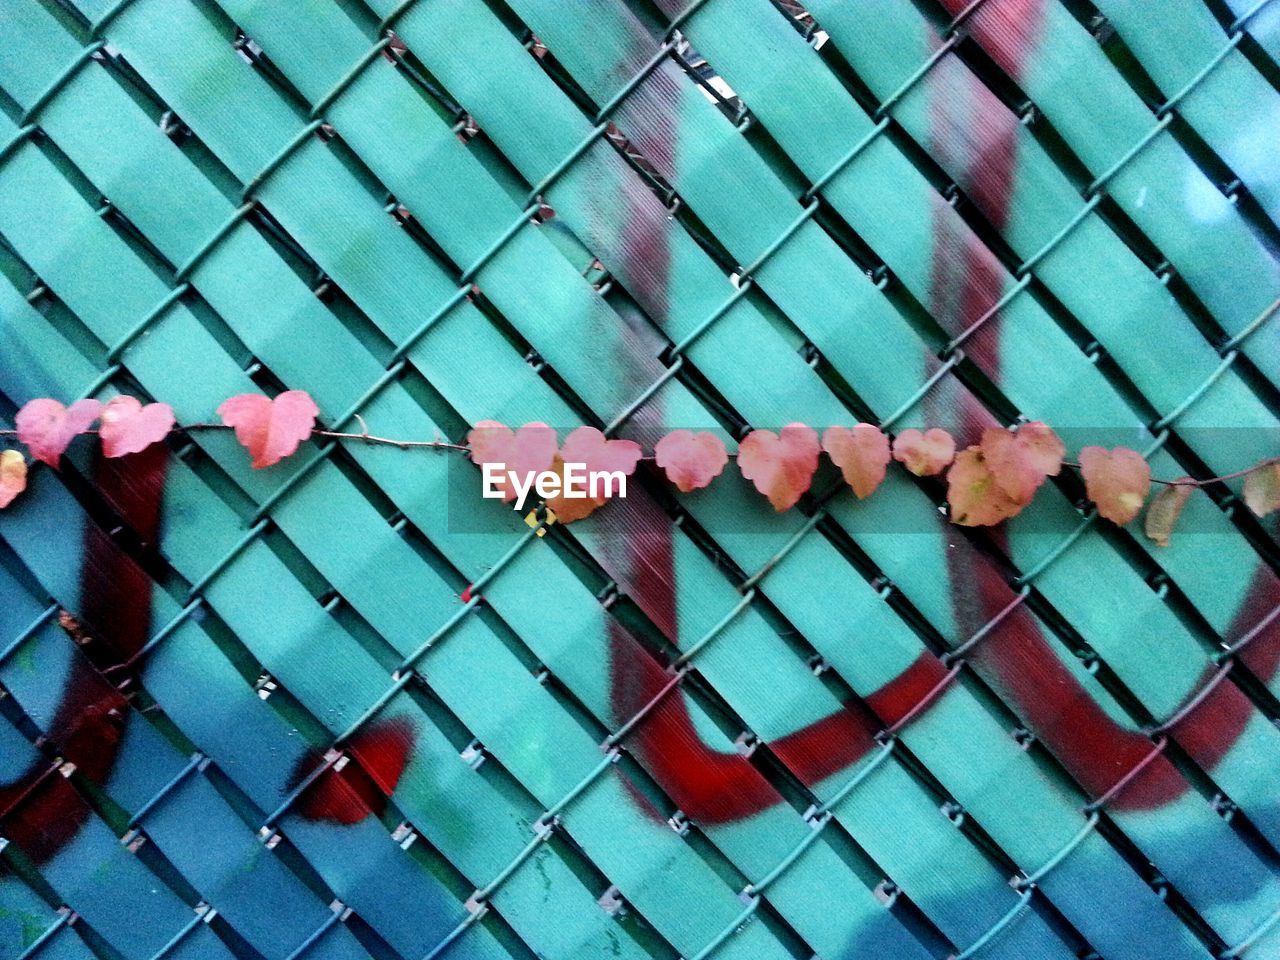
(344, 708)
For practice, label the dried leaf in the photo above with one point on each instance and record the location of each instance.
(1164, 511)
(781, 465)
(47, 427)
(270, 429)
(862, 454)
(976, 499)
(13, 476)
(691, 460)
(525, 452)
(924, 454)
(1116, 480)
(1262, 489)
(589, 447)
(1020, 461)
(129, 427)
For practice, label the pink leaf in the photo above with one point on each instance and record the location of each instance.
(588, 446)
(861, 454)
(129, 427)
(47, 427)
(531, 450)
(13, 476)
(976, 500)
(1116, 480)
(780, 465)
(924, 454)
(1019, 462)
(691, 460)
(270, 429)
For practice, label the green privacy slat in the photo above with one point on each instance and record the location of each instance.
(1041, 196)
(1213, 86)
(1099, 117)
(797, 115)
(547, 28)
(384, 584)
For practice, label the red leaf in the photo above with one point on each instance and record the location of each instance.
(1116, 480)
(13, 476)
(1165, 510)
(588, 446)
(531, 450)
(924, 454)
(1262, 489)
(270, 429)
(1020, 461)
(780, 465)
(129, 427)
(47, 427)
(862, 454)
(976, 499)
(691, 460)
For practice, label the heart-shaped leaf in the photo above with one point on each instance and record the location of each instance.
(862, 454)
(47, 427)
(598, 455)
(270, 429)
(1116, 480)
(1020, 461)
(129, 427)
(1164, 511)
(924, 454)
(691, 460)
(525, 452)
(976, 499)
(1262, 489)
(781, 465)
(13, 476)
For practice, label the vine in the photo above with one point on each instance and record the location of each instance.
(987, 482)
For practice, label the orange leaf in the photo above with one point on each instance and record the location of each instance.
(691, 460)
(1116, 480)
(47, 427)
(1164, 511)
(1020, 461)
(1262, 489)
(526, 452)
(780, 465)
(13, 476)
(129, 427)
(861, 454)
(589, 447)
(924, 454)
(270, 429)
(976, 499)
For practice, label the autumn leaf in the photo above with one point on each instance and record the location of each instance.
(861, 454)
(781, 465)
(1020, 461)
(47, 427)
(13, 476)
(924, 454)
(1262, 489)
(270, 429)
(129, 427)
(1164, 511)
(1116, 480)
(976, 499)
(691, 460)
(598, 455)
(525, 452)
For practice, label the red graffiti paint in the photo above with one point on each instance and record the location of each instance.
(348, 795)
